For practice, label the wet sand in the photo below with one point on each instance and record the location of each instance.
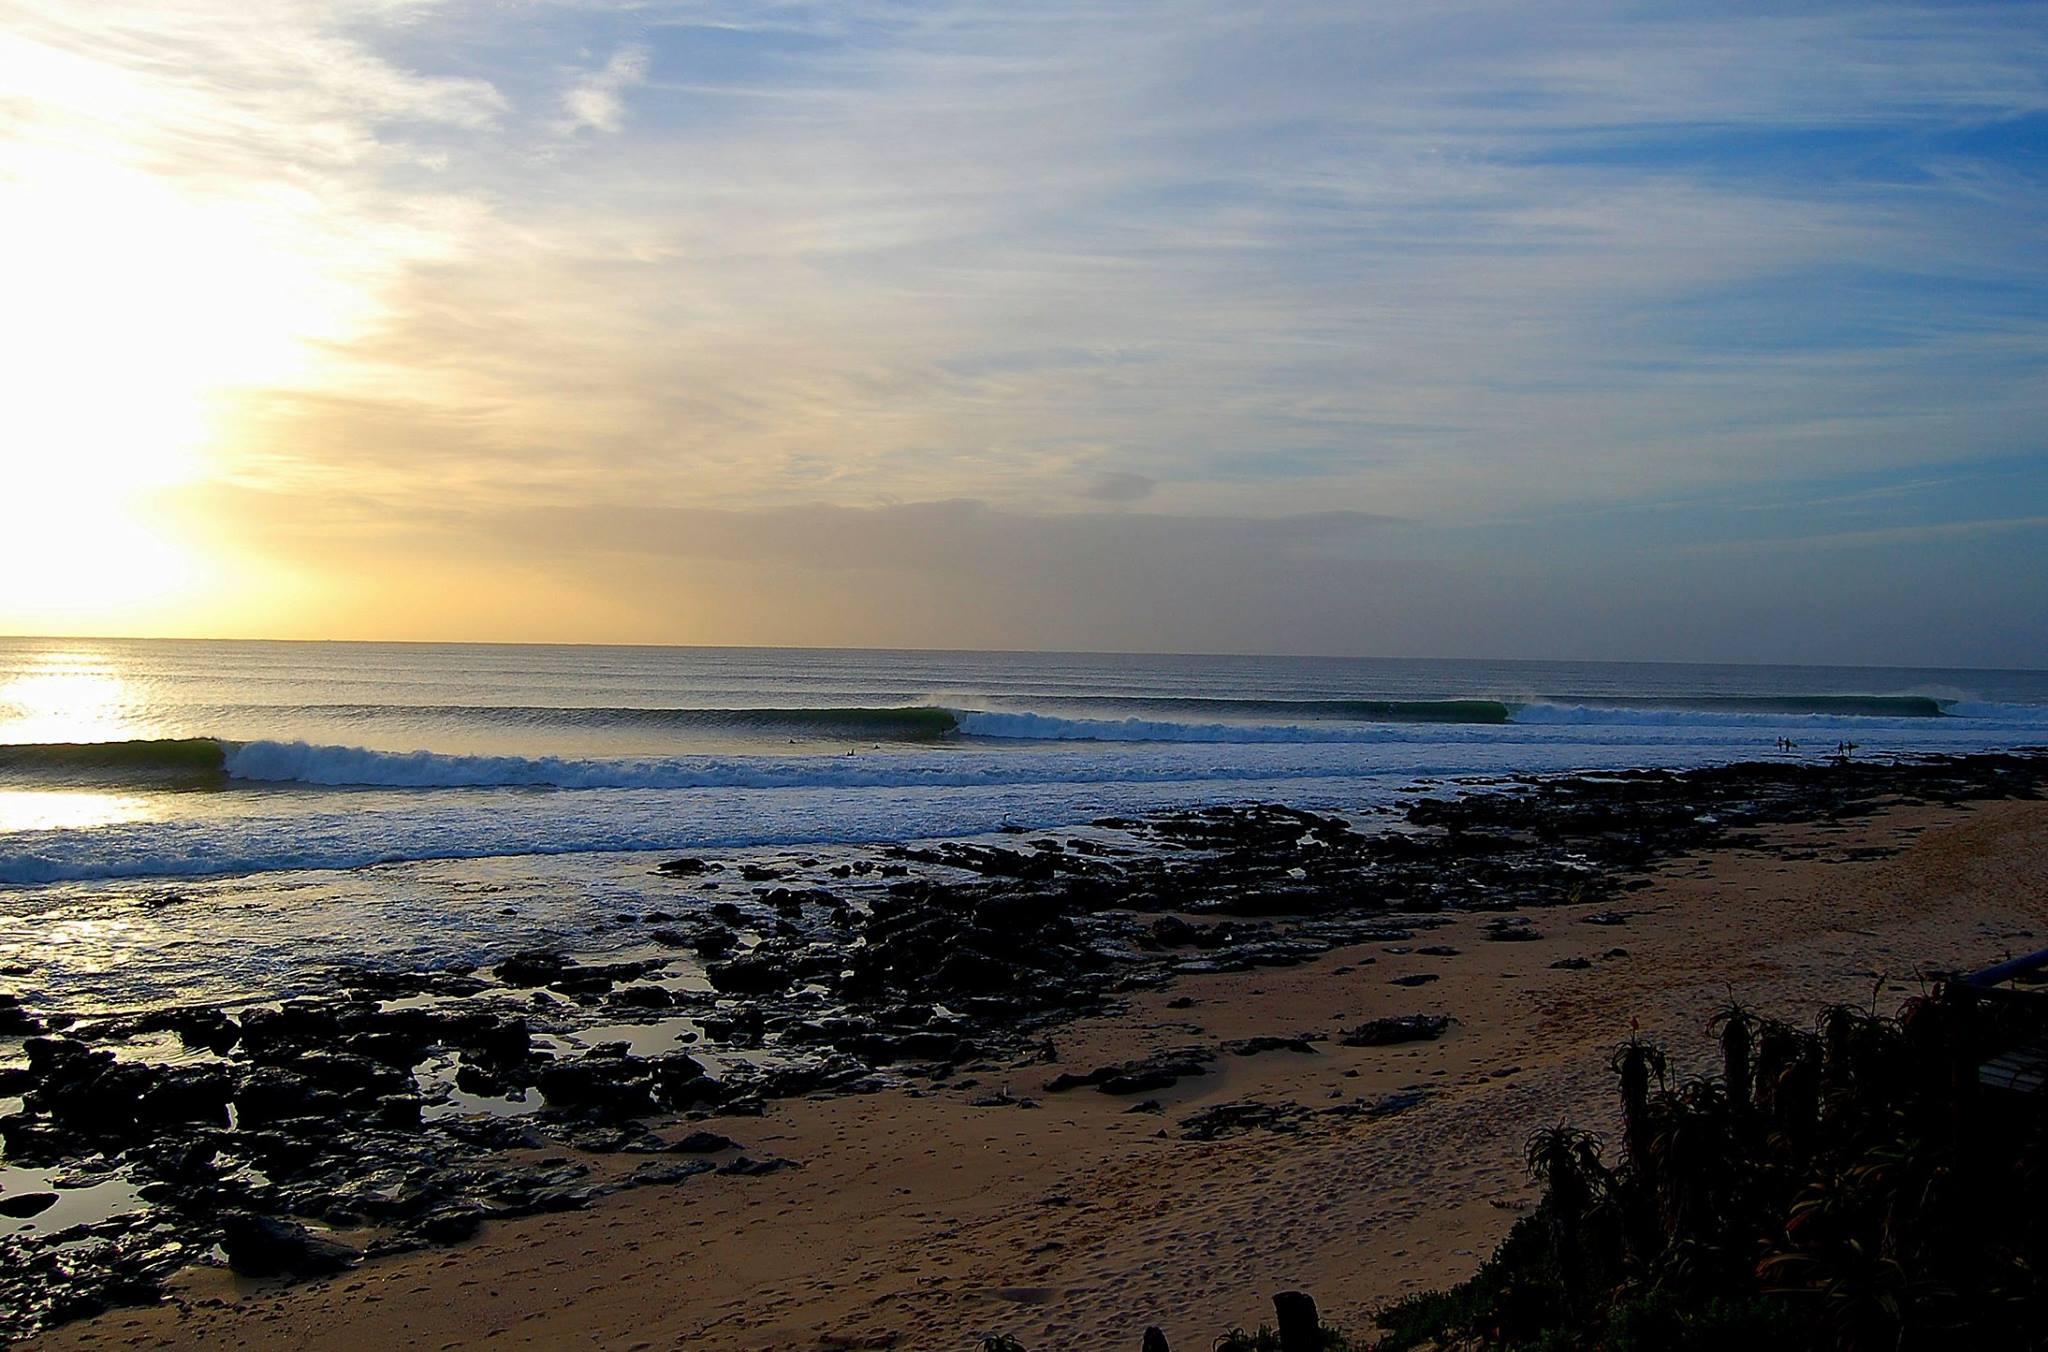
(921, 1220)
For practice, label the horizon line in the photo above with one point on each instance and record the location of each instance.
(999, 652)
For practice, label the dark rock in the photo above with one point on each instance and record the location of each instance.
(53, 1058)
(292, 1029)
(190, 1094)
(450, 1224)
(14, 1019)
(1230, 1119)
(652, 1174)
(22, 1205)
(741, 1027)
(1158, 1071)
(533, 967)
(398, 1111)
(611, 1087)
(714, 941)
(1400, 1028)
(754, 973)
(94, 1094)
(703, 1143)
(676, 1074)
(32, 1138)
(1253, 1046)
(498, 1041)
(351, 1076)
(263, 1246)
(269, 1095)
(748, 1167)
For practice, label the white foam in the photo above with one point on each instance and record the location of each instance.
(1047, 728)
(1540, 714)
(478, 806)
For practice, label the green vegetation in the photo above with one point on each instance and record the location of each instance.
(1850, 1187)
(1266, 1340)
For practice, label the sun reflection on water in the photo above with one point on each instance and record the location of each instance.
(69, 809)
(68, 697)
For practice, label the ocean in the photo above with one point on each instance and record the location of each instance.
(179, 815)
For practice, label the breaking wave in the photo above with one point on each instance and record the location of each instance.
(221, 761)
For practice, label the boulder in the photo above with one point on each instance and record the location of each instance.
(264, 1246)
(1397, 1029)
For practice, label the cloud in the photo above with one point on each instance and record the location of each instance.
(597, 101)
(1451, 265)
(961, 573)
(1117, 486)
(1410, 263)
(1887, 535)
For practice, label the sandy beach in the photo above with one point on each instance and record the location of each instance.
(928, 1218)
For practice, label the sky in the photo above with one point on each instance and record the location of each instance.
(1686, 332)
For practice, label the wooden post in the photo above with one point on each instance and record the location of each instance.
(1301, 1329)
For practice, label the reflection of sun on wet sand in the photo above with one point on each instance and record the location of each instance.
(928, 1215)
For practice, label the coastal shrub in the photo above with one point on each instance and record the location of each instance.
(1267, 1339)
(1849, 1186)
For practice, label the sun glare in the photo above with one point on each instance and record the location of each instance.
(140, 309)
(69, 809)
(67, 697)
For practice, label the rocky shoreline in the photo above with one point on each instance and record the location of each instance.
(402, 1109)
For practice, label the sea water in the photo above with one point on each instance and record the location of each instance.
(177, 812)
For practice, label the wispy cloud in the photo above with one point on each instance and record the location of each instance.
(1450, 263)
(597, 100)
(1888, 535)
(1121, 486)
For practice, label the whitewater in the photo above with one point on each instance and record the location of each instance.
(133, 761)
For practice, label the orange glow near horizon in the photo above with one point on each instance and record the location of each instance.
(574, 322)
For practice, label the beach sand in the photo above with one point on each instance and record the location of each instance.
(920, 1220)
